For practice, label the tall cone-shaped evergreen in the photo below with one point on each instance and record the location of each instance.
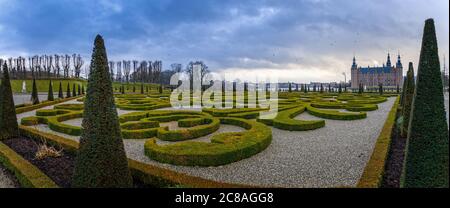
(74, 90)
(134, 88)
(380, 89)
(68, 90)
(50, 91)
(34, 94)
(82, 89)
(160, 89)
(408, 97)
(426, 162)
(79, 89)
(402, 96)
(60, 91)
(142, 88)
(8, 119)
(101, 159)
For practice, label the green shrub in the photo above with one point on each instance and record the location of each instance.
(212, 125)
(224, 148)
(50, 91)
(101, 160)
(335, 115)
(407, 100)
(76, 107)
(284, 120)
(8, 120)
(34, 94)
(426, 162)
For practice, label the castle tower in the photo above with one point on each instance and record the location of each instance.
(354, 74)
(388, 62)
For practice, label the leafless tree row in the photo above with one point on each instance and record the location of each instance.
(45, 66)
(135, 71)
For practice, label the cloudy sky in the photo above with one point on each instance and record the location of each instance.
(298, 40)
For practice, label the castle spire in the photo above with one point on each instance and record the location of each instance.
(399, 62)
(354, 63)
(388, 63)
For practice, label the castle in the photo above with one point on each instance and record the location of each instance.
(388, 75)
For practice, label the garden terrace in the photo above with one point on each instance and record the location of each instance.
(333, 154)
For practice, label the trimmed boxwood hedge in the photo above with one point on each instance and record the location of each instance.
(361, 107)
(284, 120)
(201, 124)
(224, 148)
(26, 108)
(143, 172)
(335, 115)
(373, 172)
(211, 125)
(77, 107)
(28, 175)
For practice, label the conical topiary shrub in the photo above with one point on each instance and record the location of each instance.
(74, 90)
(402, 96)
(50, 91)
(407, 101)
(82, 89)
(101, 159)
(34, 94)
(60, 91)
(79, 90)
(142, 88)
(426, 162)
(8, 119)
(160, 89)
(68, 94)
(380, 89)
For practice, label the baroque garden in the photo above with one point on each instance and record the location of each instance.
(102, 133)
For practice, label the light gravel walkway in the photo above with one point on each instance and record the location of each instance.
(7, 180)
(333, 156)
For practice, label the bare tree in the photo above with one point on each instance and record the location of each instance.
(57, 66)
(127, 68)
(65, 62)
(177, 68)
(133, 73)
(112, 65)
(31, 66)
(119, 71)
(203, 71)
(48, 64)
(77, 64)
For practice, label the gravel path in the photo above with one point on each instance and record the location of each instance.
(333, 156)
(7, 180)
(26, 98)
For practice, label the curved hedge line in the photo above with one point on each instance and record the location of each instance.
(373, 172)
(201, 124)
(335, 115)
(71, 106)
(284, 120)
(143, 172)
(28, 175)
(25, 108)
(140, 102)
(224, 148)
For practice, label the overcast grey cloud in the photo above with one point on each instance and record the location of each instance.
(309, 40)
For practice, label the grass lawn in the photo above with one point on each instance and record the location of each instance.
(42, 85)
